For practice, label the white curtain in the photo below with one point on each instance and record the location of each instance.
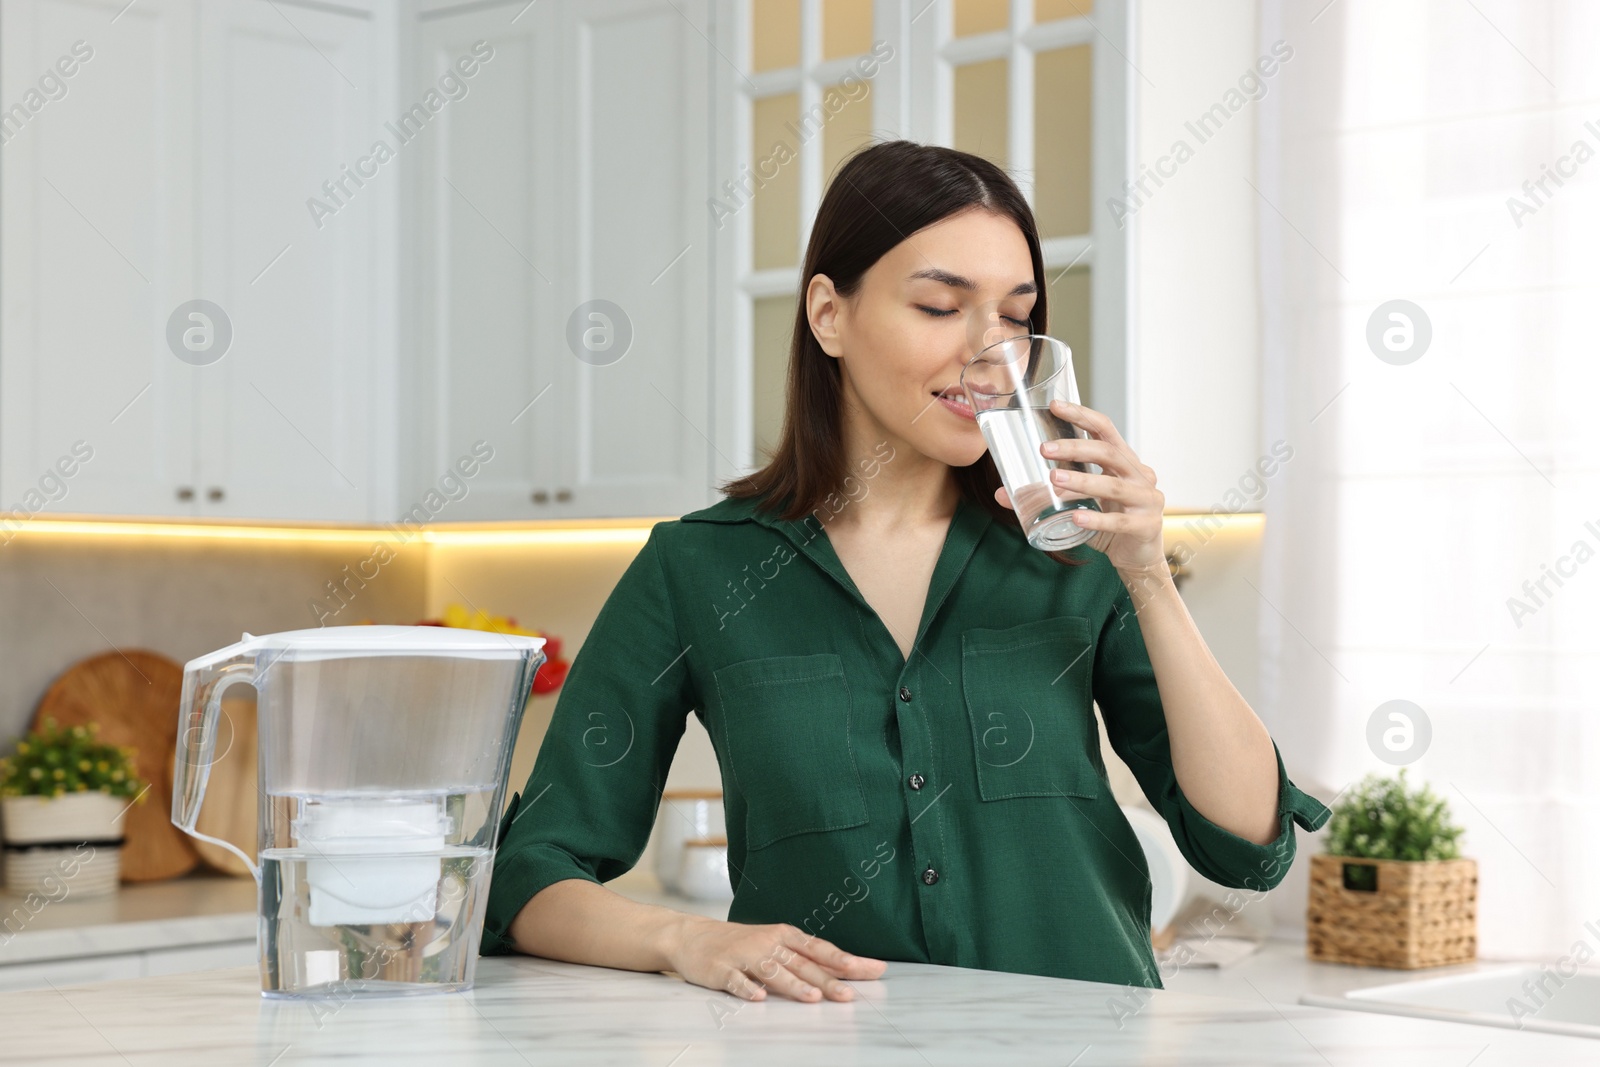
(1436, 536)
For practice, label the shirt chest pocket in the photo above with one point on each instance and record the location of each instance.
(786, 727)
(1027, 691)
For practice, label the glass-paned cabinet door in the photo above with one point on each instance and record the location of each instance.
(775, 221)
(1063, 140)
(803, 85)
(981, 105)
(1039, 87)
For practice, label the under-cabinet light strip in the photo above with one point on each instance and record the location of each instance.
(633, 531)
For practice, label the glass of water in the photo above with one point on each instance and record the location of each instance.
(1010, 385)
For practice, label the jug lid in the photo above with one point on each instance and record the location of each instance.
(376, 640)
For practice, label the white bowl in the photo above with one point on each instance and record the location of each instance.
(705, 869)
(685, 814)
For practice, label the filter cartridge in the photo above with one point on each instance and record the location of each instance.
(372, 860)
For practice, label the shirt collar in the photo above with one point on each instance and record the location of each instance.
(961, 540)
(967, 524)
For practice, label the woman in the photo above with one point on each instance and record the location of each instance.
(898, 687)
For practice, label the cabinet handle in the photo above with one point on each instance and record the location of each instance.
(185, 492)
(540, 496)
(563, 495)
(214, 493)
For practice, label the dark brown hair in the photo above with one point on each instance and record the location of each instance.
(881, 195)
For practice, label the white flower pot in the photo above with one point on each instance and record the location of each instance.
(63, 846)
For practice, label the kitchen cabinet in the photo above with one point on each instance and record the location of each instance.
(71, 972)
(105, 968)
(230, 153)
(294, 243)
(557, 241)
(1042, 90)
(164, 153)
(97, 236)
(142, 930)
(531, 269)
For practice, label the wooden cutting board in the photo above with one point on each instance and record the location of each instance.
(133, 695)
(230, 812)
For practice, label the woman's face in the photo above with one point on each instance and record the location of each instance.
(922, 311)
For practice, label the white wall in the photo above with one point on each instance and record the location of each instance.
(1194, 400)
(1195, 395)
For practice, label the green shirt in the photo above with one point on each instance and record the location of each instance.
(952, 808)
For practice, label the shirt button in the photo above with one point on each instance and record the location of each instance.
(916, 781)
(930, 876)
(905, 694)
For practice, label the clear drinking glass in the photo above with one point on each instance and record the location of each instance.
(1010, 385)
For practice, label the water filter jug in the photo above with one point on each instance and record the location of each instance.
(382, 757)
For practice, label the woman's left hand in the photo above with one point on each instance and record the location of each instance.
(1128, 525)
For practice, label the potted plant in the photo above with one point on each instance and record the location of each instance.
(63, 796)
(1392, 889)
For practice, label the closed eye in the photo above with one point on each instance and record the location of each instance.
(940, 313)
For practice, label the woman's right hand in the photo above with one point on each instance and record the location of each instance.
(746, 959)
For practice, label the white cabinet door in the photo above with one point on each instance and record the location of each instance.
(485, 262)
(163, 961)
(71, 972)
(573, 170)
(180, 161)
(293, 200)
(96, 191)
(633, 430)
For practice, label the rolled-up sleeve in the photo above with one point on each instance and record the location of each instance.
(1125, 689)
(591, 800)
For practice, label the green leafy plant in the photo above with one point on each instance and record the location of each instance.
(1383, 819)
(54, 761)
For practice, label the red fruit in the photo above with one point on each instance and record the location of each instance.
(552, 647)
(550, 676)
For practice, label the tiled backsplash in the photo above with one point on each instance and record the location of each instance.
(72, 596)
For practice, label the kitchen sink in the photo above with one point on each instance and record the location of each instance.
(1522, 996)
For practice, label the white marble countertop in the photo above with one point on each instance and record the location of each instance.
(527, 1010)
(196, 910)
(533, 1011)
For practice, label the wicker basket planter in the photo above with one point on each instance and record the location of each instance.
(70, 844)
(1392, 913)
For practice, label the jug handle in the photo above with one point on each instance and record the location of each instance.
(203, 686)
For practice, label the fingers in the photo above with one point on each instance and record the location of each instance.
(808, 968)
(1097, 423)
(831, 956)
(787, 972)
(1107, 448)
(825, 965)
(1112, 521)
(775, 976)
(1090, 450)
(742, 985)
(794, 964)
(816, 976)
(1104, 487)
